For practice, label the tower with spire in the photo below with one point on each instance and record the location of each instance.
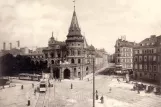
(75, 45)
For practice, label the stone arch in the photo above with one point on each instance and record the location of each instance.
(66, 74)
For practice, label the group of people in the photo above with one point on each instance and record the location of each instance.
(59, 79)
(147, 88)
(102, 98)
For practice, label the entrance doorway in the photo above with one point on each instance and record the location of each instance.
(66, 74)
(56, 73)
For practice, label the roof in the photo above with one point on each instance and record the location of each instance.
(74, 29)
(150, 42)
(124, 43)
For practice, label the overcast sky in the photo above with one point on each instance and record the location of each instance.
(102, 21)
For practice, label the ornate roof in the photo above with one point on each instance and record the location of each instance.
(74, 29)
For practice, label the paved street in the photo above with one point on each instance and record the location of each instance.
(61, 95)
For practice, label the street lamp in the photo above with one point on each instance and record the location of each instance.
(93, 83)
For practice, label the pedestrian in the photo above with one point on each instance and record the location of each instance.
(21, 87)
(138, 91)
(71, 86)
(35, 91)
(28, 103)
(96, 92)
(102, 100)
(32, 85)
(88, 79)
(110, 90)
(96, 96)
(60, 79)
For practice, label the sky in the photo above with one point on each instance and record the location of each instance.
(101, 21)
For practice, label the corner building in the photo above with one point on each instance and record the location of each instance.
(124, 54)
(72, 58)
(147, 62)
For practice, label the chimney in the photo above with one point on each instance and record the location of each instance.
(10, 46)
(18, 44)
(4, 45)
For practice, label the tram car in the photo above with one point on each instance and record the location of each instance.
(30, 77)
(43, 85)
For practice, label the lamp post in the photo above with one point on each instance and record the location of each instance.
(93, 83)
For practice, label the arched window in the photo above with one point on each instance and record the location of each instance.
(79, 61)
(52, 61)
(72, 61)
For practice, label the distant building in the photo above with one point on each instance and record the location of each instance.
(124, 54)
(147, 59)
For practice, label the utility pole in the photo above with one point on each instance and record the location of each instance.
(93, 83)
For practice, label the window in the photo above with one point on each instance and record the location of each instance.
(140, 58)
(52, 55)
(154, 58)
(154, 68)
(140, 74)
(72, 61)
(140, 66)
(118, 50)
(136, 52)
(72, 52)
(154, 50)
(145, 67)
(150, 67)
(145, 58)
(79, 61)
(118, 60)
(79, 52)
(52, 61)
(136, 66)
(150, 58)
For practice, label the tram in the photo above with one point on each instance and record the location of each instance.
(31, 77)
(43, 85)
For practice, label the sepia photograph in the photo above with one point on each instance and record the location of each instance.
(80, 53)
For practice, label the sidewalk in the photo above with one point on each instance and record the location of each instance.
(108, 102)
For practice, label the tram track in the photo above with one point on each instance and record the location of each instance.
(41, 100)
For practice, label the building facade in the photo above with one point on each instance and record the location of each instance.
(124, 54)
(72, 58)
(147, 62)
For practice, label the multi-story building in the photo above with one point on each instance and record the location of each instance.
(124, 54)
(147, 62)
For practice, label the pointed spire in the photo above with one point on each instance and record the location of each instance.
(74, 23)
(74, 29)
(52, 33)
